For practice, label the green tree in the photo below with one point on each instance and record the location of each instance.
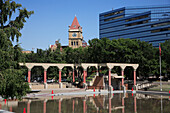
(12, 84)
(125, 51)
(12, 19)
(165, 54)
(12, 27)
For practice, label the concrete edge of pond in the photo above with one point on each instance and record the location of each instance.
(3, 111)
(87, 92)
(154, 92)
(91, 92)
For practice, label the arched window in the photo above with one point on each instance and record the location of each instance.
(77, 43)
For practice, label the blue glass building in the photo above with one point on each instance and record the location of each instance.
(151, 24)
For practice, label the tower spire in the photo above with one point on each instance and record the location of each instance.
(75, 24)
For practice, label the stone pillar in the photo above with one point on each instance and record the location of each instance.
(109, 77)
(123, 77)
(60, 84)
(134, 77)
(29, 75)
(45, 76)
(84, 106)
(86, 73)
(73, 76)
(45, 79)
(110, 86)
(84, 77)
(59, 75)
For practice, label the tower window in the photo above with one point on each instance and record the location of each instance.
(71, 42)
(74, 26)
(74, 42)
(77, 42)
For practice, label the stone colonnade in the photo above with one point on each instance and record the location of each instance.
(84, 66)
(122, 66)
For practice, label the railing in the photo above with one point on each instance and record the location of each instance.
(145, 85)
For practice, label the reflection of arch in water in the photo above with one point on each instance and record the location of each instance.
(101, 102)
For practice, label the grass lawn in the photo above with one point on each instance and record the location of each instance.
(164, 88)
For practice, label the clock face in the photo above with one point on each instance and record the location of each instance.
(74, 34)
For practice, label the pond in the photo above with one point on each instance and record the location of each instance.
(111, 103)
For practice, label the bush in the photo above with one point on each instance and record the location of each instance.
(89, 78)
(12, 84)
(92, 75)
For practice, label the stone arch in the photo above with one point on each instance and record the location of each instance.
(117, 70)
(37, 74)
(79, 73)
(91, 73)
(67, 72)
(128, 71)
(117, 79)
(53, 73)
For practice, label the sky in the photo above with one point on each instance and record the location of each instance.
(51, 19)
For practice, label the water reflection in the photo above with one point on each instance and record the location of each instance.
(117, 103)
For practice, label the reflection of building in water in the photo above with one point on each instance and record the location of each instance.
(108, 102)
(119, 103)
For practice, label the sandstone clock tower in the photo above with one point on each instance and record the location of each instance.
(75, 34)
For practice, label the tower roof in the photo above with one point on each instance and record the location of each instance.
(75, 24)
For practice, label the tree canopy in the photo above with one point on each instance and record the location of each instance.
(12, 27)
(12, 19)
(110, 51)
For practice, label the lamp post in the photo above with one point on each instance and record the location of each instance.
(160, 66)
